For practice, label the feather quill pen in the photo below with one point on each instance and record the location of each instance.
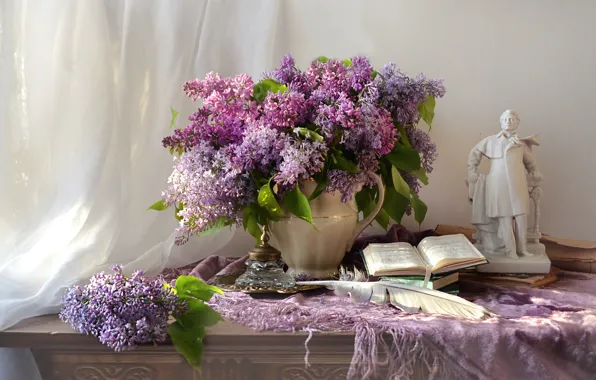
(408, 298)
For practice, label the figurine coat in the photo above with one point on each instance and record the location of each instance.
(506, 187)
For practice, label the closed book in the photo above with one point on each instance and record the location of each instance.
(435, 282)
(531, 280)
(451, 289)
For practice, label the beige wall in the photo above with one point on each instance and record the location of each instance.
(535, 56)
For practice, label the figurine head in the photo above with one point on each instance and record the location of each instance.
(509, 121)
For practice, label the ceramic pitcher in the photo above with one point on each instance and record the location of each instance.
(318, 252)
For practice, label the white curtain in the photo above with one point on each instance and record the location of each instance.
(86, 89)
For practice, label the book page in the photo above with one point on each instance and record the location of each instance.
(392, 257)
(451, 248)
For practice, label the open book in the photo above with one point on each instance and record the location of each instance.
(434, 255)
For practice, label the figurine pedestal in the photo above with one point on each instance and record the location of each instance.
(539, 263)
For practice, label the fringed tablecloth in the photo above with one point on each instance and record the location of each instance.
(547, 333)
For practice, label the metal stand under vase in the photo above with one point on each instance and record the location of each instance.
(264, 269)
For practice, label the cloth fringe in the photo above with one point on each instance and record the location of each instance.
(401, 353)
(377, 348)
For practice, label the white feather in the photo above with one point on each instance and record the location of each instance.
(408, 298)
(348, 275)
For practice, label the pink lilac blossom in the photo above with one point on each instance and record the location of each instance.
(284, 110)
(121, 312)
(227, 108)
(330, 77)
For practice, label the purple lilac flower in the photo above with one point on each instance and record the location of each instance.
(210, 187)
(260, 149)
(331, 77)
(121, 312)
(360, 73)
(288, 74)
(422, 143)
(414, 184)
(402, 95)
(346, 183)
(412, 181)
(335, 113)
(373, 138)
(300, 160)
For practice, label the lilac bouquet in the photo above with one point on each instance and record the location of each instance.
(249, 145)
(125, 312)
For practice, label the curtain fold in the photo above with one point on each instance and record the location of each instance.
(86, 93)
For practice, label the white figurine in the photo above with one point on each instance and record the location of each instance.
(500, 199)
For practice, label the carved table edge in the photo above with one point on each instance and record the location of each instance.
(254, 343)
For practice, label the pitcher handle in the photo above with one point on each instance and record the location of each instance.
(368, 220)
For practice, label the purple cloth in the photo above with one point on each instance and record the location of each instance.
(547, 333)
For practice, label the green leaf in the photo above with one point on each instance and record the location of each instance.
(322, 59)
(261, 89)
(427, 111)
(383, 219)
(347, 62)
(174, 116)
(342, 163)
(198, 315)
(399, 184)
(385, 170)
(158, 206)
(312, 135)
(267, 200)
(403, 136)
(194, 287)
(321, 186)
(404, 158)
(253, 227)
(218, 225)
(419, 208)
(364, 201)
(178, 209)
(395, 204)
(250, 222)
(298, 204)
(374, 74)
(421, 174)
(188, 343)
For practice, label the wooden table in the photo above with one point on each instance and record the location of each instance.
(231, 352)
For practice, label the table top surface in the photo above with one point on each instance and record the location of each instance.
(49, 331)
(51, 325)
